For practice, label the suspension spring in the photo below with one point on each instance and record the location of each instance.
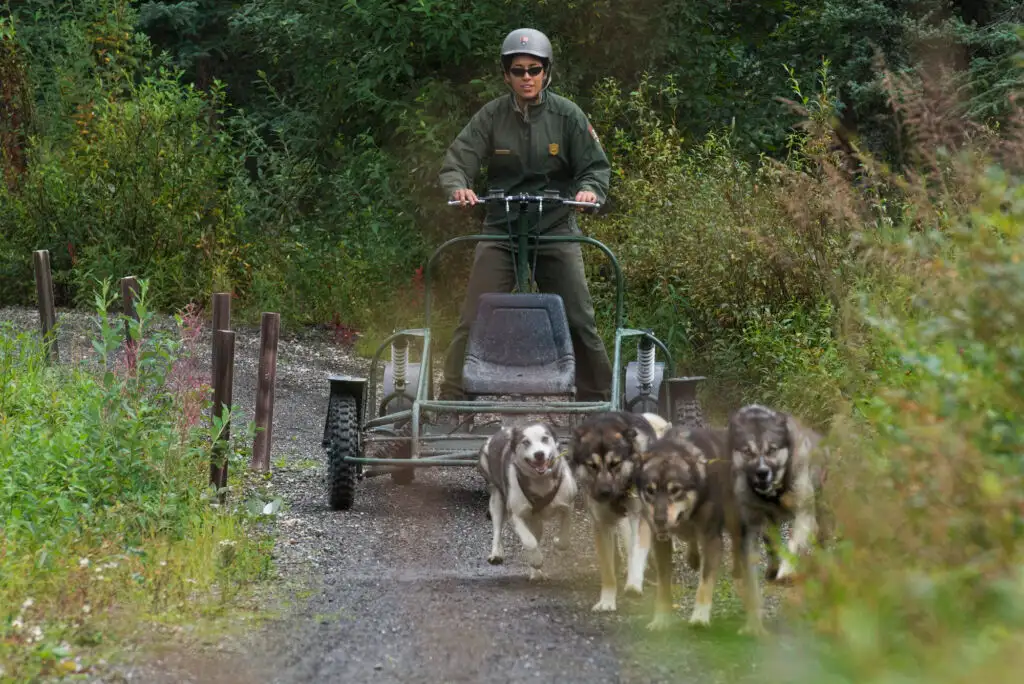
(645, 363)
(400, 362)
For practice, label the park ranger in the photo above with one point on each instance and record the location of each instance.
(531, 141)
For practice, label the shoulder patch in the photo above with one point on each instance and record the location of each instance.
(593, 133)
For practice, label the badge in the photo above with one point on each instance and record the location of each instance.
(593, 133)
(553, 149)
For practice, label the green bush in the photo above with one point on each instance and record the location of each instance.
(327, 247)
(142, 188)
(104, 505)
(737, 280)
(926, 582)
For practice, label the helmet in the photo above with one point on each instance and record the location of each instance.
(526, 41)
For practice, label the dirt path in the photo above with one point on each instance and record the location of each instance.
(398, 589)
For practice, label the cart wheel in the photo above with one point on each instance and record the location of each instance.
(690, 414)
(343, 441)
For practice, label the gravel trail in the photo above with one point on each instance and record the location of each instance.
(399, 590)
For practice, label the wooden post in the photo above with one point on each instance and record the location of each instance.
(44, 296)
(270, 328)
(224, 362)
(129, 295)
(221, 321)
(222, 311)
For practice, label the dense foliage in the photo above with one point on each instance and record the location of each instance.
(300, 139)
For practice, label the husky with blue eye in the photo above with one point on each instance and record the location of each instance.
(531, 482)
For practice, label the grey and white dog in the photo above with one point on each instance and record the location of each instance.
(779, 471)
(531, 482)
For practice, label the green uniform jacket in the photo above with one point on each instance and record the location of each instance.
(552, 147)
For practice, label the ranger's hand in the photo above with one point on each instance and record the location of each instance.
(585, 196)
(465, 196)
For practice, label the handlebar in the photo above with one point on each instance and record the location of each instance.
(530, 199)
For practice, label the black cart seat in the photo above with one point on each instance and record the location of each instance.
(519, 344)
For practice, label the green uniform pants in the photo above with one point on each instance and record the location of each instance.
(560, 271)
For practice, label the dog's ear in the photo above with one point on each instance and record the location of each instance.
(577, 434)
(631, 435)
(639, 440)
(515, 436)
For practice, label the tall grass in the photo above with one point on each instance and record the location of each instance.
(104, 508)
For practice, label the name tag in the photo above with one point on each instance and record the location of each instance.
(502, 151)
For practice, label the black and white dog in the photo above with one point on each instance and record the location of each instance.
(531, 482)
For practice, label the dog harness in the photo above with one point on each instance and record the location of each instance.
(539, 502)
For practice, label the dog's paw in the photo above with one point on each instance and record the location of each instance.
(661, 622)
(634, 590)
(786, 567)
(496, 559)
(534, 558)
(785, 575)
(563, 543)
(789, 580)
(753, 629)
(701, 616)
(606, 604)
(537, 575)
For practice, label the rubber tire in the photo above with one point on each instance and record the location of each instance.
(343, 441)
(690, 414)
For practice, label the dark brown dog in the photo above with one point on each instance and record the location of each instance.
(685, 483)
(603, 452)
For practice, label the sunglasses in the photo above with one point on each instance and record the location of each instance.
(519, 71)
